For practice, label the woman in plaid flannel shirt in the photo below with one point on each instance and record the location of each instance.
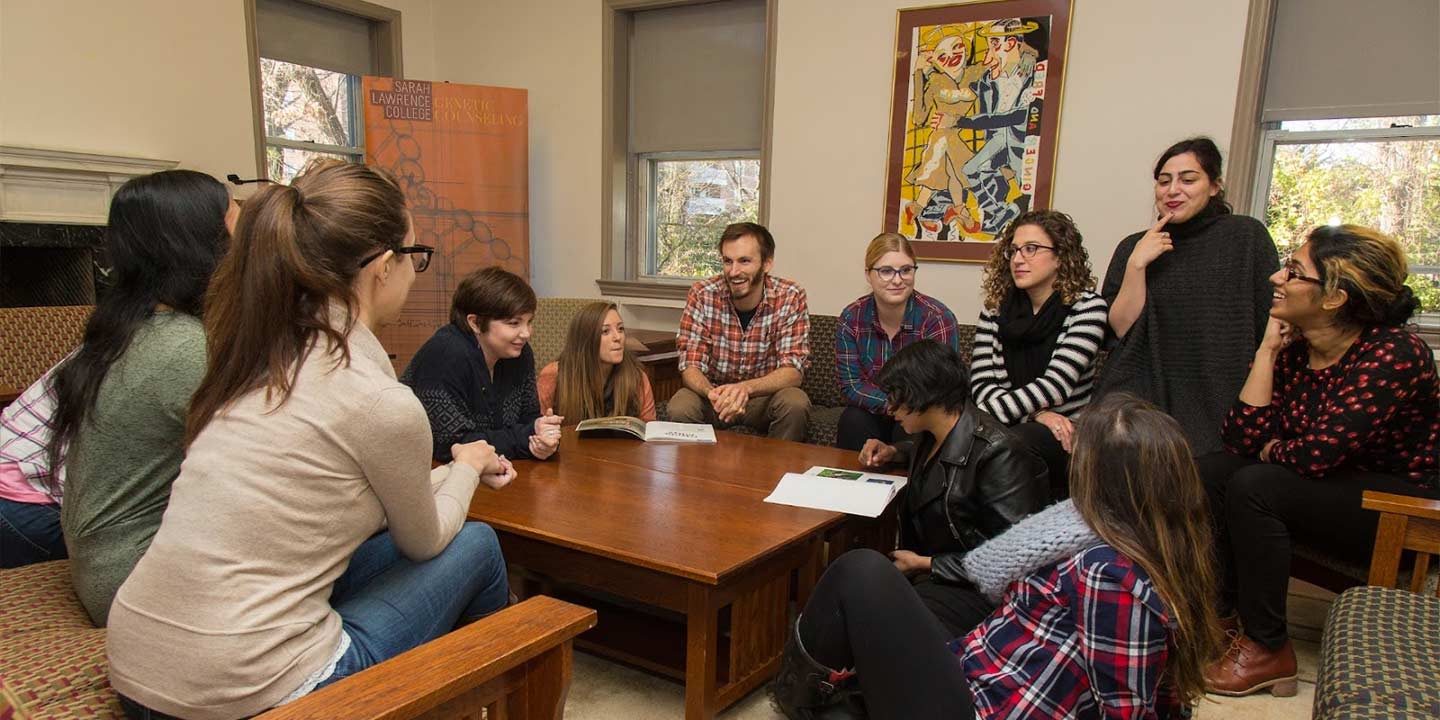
(1114, 624)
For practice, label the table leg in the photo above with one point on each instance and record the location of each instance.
(702, 635)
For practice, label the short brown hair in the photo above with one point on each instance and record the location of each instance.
(491, 293)
(735, 231)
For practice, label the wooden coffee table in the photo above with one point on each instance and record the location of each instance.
(682, 529)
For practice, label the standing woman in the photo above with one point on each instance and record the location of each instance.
(594, 376)
(875, 327)
(1039, 333)
(121, 398)
(1189, 297)
(1341, 398)
(307, 537)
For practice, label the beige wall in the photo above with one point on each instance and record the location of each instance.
(1142, 73)
(165, 79)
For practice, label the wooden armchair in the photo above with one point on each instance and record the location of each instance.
(513, 665)
(1406, 523)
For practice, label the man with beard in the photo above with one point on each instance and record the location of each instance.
(744, 343)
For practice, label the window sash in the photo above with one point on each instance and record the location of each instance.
(645, 177)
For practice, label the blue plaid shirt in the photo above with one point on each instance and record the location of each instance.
(862, 348)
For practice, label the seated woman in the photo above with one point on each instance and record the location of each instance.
(875, 327)
(30, 489)
(476, 375)
(1340, 399)
(595, 376)
(970, 478)
(307, 537)
(1105, 609)
(120, 398)
(1042, 326)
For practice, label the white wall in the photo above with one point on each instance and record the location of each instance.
(167, 79)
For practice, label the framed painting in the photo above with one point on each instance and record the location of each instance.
(974, 121)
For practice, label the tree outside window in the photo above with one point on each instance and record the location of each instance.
(690, 203)
(309, 113)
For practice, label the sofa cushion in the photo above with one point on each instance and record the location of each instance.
(60, 668)
(39, 597)
(1380, 657)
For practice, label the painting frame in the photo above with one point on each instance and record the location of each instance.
(945, 104)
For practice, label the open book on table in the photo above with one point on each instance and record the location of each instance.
(653, 431)
(837, 490)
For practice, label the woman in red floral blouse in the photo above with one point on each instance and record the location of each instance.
(1340, 399)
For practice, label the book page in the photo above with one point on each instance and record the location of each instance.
(658, 431)
(633, 425)
(856, 496)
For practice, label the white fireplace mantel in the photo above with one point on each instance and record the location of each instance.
(42, 185)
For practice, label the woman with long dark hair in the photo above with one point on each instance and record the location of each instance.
(1341, 398)
(1105, 603)
(121, 397)
(307, 536)
(595, 376)
(1039, 333)
(1189, 296)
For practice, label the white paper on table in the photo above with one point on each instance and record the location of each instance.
(847, 491)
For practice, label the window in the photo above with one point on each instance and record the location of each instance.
(1378, 172)
(688, 202)
(309, 56)
(685, 107)
(309, 113)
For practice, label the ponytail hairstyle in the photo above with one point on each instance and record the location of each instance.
(1370, 267)
(297, 252)
(1134, 481)
(164, 236)
(581, 381)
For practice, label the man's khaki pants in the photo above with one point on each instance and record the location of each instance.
(782, 416)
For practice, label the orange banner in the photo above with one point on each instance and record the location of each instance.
(461, 152)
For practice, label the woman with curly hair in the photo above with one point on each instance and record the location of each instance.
(1037, 338)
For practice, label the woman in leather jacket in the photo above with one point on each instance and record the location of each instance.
(970, 478)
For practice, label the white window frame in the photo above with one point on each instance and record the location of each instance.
(356, 111)
(645, 197)
(1272, 136)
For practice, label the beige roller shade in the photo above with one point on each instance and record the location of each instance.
(697, 77)
(1347, 58)
(304, 34)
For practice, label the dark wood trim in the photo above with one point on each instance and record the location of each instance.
(1245, 130)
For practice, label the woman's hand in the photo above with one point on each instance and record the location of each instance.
(876, 453)
(1060, 426)
(1278, 336)
(1153, 244)
(546, 439)
(908, 562)
(501, 478)
(479, 455)
(1265, 451)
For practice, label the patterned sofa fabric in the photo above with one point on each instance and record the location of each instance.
(53, 660)
(35, 338)
(1380, 657)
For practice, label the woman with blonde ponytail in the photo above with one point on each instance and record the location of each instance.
(307, 537)
(1105, 605)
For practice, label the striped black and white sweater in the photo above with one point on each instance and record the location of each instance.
(1065, 385)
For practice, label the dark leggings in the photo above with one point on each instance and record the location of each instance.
(864, 615)
(856, 426)
(1038, 438)
(1259, 507)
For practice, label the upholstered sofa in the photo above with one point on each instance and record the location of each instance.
(35, 338)
(514, 664)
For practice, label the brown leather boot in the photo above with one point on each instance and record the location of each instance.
(1249, 667)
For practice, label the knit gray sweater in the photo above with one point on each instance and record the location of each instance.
(1047, 537)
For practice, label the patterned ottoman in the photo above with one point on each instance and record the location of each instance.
(52, 660)
(1380, 657)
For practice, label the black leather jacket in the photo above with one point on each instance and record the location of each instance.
(984, 481)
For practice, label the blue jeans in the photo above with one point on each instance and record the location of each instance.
(389, 604)
(29, 533)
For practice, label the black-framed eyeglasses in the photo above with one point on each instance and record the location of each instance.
(1295, 271)
(419, 255)
(1026, 251)
(888, 273)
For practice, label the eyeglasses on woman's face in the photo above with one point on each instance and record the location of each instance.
(1026, 251)
(1295, 271)
(419, 256)
(887, 273)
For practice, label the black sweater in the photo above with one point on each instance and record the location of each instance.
(465, 404)
(1206, 306)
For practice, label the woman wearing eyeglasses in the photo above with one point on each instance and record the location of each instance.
(307, 537)
(875, 327)
(1188, 297)
(1038, 335)
(1341, 398)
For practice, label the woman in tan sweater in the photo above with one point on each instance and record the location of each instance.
(306, 537)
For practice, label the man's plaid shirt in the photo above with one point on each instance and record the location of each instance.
(1085, 638)
(712, 341)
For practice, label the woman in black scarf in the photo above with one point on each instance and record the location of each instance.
(1189, 297)
(1037, 338)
